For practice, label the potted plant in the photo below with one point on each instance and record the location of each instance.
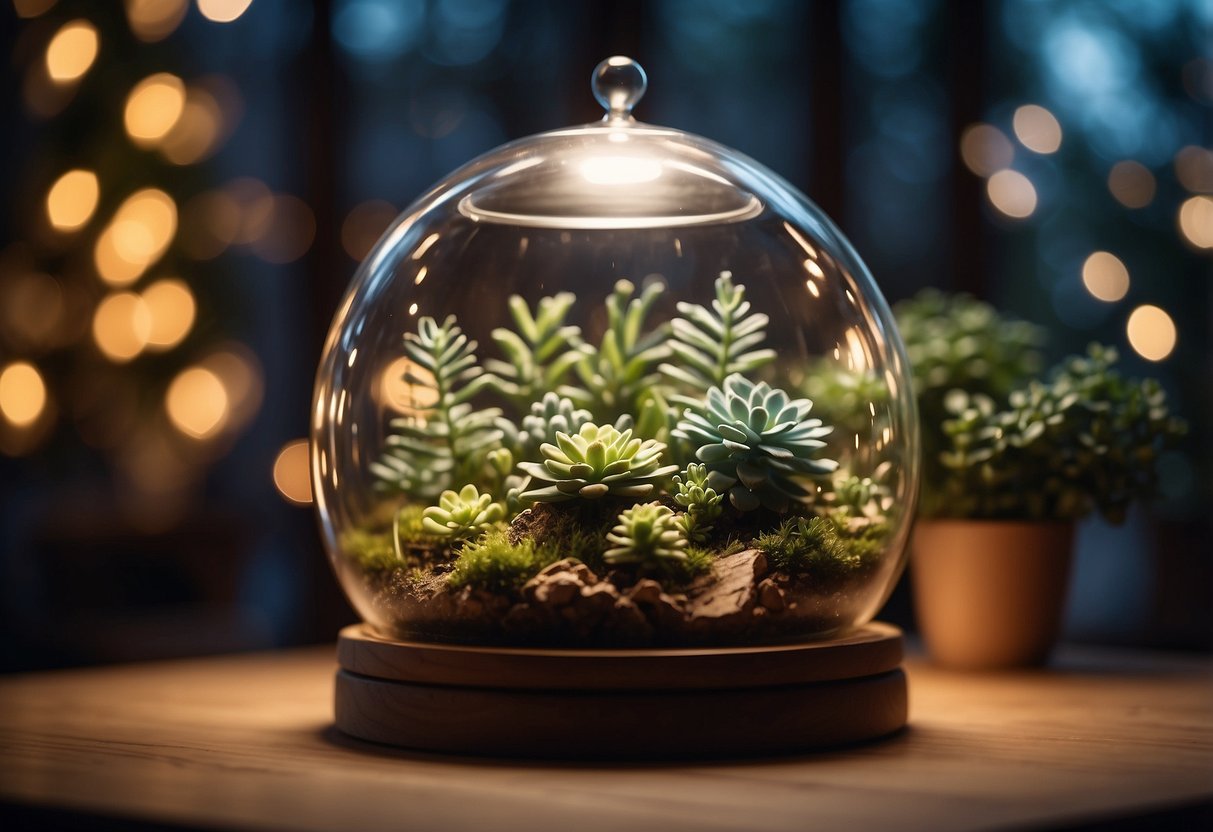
(1010, 478)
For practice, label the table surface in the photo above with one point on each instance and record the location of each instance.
(247, 742)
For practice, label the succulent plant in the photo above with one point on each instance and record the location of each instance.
(1086, 440)
(447, 443)
(551, 415)
(956, 342)
(618, 374)
(699, 501)
(646, 534)
(541, 349)
(757, 444)
(463, 514)
(712, 344)
(596, 461)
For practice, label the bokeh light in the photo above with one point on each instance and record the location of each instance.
(32, 8)
(985, 149)
(1151, 332)
(153, 107)
(140, 233)
(1012, 193)
(71, 201)
(1105, 276)
(22, 394)
(1132, 184)
(291, 475)
(154, 20)
(72, 51)
(210, 222)
(1194, 168)
(198, 130)
(1196, 221)
(121, 326)
(223, 11)
(364, 226)
(171, 306)
(1036, 128)
(197, 403)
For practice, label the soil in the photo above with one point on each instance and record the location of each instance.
(567, 604)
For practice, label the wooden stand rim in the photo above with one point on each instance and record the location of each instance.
(867, 651)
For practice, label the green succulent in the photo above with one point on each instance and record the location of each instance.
(463, 514)
(757, 444)
(617, 376)
(712, 344)
(1087, 440)
(448, 443)
(699, 501)
(647, 534)
(541, 349)
(551, 415)
(596, 461)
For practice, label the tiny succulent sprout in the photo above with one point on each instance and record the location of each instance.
(463, 514)
(757, 444)
(646, 534)
(596, 461)
(699, 501)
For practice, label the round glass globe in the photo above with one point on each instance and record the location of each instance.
(614, 385)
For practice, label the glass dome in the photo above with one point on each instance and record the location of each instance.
(614, 385)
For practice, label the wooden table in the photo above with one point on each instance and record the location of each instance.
(246, 742)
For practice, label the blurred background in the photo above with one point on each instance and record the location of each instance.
(190, 185)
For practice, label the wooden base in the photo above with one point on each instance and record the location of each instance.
(636, 704)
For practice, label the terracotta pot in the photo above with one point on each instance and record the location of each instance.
(990, 593)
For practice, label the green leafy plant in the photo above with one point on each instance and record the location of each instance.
(540, 351)
(463, 514)
(712, 344)
(757, 444)
(551, 415)
(620, 372)
(647, 534)
(848, 399)
(1086, 440)
(491, 562)
(699, 501)
(956, 342)
(447, 443)
(596, 461)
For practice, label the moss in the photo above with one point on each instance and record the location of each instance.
(373, 552)
(822, 548)
(493, 563)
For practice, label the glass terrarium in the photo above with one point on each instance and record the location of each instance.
(614, 386)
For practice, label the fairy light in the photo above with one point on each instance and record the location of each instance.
(121, 326)
(291, 475)
(71, 201)
(72, 51)
(1196, 221)
(1152, 333)
(141, 231)
(223, 11)
(22, 394)
(153, 108)
(1037, 129)
(171, 307)
(197, 403)
(155, 20)
(1132, 184)
(1105, 276)
(1012, 193)
(985, 149)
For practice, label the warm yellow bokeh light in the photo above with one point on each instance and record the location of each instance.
(153, 20)
(1194, 168)
(223, 11)
(196, 134)
(32, 8)
(153, 107)
(121, 326)
(1132, 184)
(1105, 276)
(1036, 128)
(72, 199)
(291, 475)
(407, 387)
(985, 149)
(22, 394)
(1151, 332)
(140, 233)
(197, 403)
(1012, 193)
(172, 309)
(1196, 221)
(72, 51)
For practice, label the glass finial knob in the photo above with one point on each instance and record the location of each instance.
(619, 83)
